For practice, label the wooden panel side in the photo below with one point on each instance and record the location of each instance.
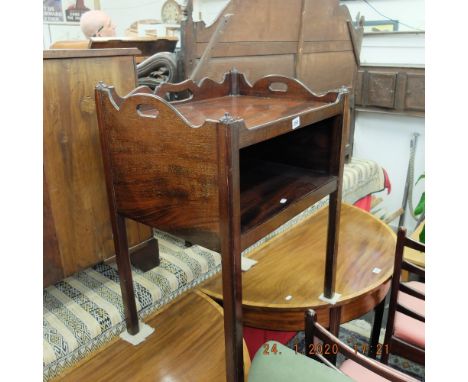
(72, 157)
(253, 67)
(382, 87)
(164, 172)
(277, 18)
(415, 92)
(52, 261)
(326, 21)
(324, 71)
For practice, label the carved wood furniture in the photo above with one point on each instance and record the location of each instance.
(312, 40)
(77, 230)
(278, 289)
(222, 168)
(356, 366)
(389, 89)
(187, 345)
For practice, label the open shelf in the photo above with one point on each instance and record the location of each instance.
(271, 193)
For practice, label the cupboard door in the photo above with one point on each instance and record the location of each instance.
(415, 91)
(381, 89)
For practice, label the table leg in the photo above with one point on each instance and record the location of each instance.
(374, 339)
(125, 273)
(334, 209)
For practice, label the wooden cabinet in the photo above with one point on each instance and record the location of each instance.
(391, 90)
(222, 168)
(77, 230)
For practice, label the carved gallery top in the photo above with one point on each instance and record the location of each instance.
(283, 166)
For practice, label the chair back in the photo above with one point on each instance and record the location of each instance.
(393, 344)
(333, 345)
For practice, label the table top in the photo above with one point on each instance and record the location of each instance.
(289, 275)
(187, 345)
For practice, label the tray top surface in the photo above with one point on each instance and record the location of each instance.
(255, 111)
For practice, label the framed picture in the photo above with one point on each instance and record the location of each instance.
(65, 11)
(52, 11)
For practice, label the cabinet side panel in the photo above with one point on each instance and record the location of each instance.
(52, 262)
(165, 173)
(72, 157)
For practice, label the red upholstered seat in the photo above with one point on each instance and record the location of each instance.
(410, 330)
(415, 304)
(406, 328)
(420, 287)
(360, 373)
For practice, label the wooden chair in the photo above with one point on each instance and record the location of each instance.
(405, 324)
(357, 366)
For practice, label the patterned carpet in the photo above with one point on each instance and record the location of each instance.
(84, 311)
(356, 337)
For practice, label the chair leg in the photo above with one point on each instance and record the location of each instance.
(309, 332)
(377, 325)
(335, 320)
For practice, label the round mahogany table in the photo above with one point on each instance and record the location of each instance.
(289, 276)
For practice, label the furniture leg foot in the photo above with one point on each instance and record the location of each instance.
(374, 339)
(146, 256)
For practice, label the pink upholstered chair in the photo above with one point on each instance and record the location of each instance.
(406, 319)
(357, 366)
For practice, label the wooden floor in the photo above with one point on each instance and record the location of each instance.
(187, 345)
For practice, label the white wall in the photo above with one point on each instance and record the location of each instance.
(400, 49)
(208, 10)
(124, 12)
(385, 138)
(409, 12)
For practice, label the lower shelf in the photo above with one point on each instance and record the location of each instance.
(272, 193)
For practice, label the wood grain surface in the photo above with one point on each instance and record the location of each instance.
(254, 111)
(52, 261)
(72, 153)
(187, 345)
(288, 278)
